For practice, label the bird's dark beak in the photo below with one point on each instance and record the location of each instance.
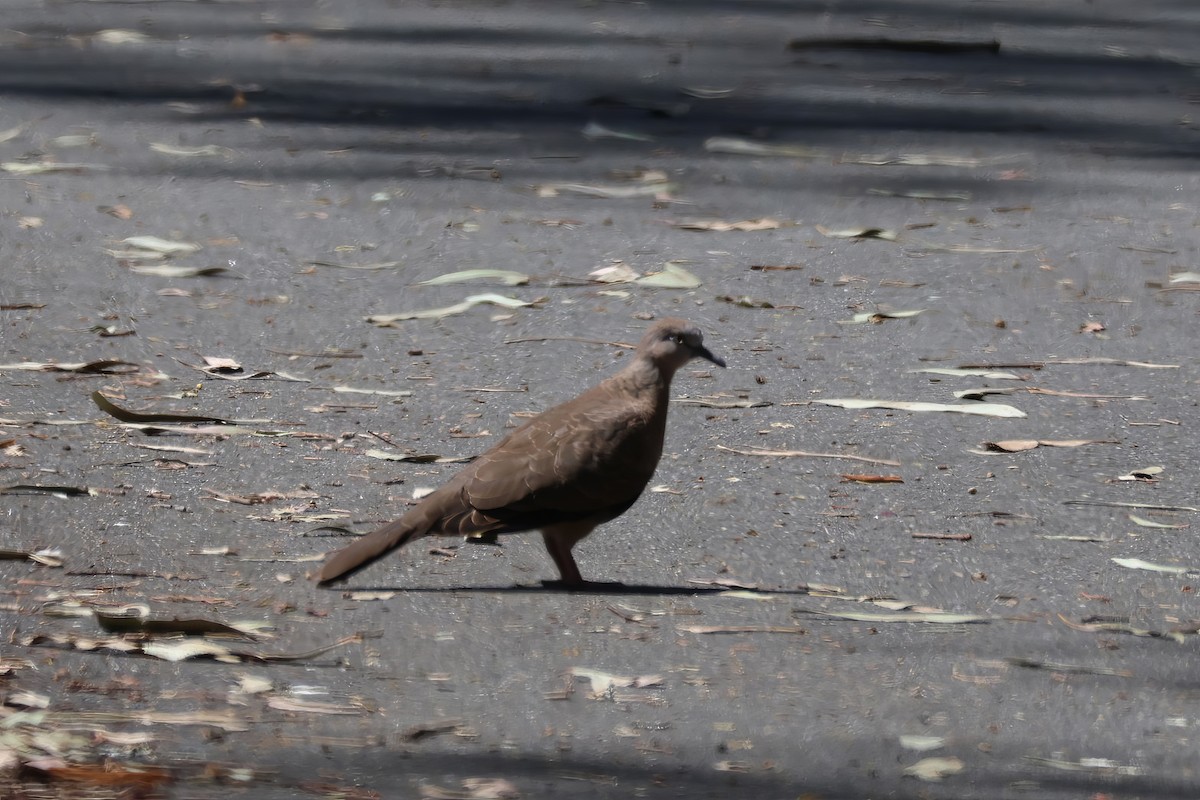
(707, 355)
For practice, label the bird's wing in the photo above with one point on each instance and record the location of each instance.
(579, 461)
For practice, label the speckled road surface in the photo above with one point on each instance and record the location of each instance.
(1022, 174)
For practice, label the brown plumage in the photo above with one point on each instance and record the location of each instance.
(565, 471)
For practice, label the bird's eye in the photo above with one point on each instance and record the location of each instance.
(678, 338)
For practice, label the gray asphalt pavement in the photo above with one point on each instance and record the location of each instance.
(936, 619)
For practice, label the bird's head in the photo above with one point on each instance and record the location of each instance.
(672, 342)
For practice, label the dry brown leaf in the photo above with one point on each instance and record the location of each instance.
(120, 211)
(132, 779)
(855, 477)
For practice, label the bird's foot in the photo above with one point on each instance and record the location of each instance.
(585, 586)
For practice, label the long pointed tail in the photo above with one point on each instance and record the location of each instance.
(369, 548)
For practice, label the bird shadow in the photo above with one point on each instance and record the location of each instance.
(553, 587)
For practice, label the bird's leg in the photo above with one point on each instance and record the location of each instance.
(559, 540)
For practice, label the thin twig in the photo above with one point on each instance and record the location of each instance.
(622, 345)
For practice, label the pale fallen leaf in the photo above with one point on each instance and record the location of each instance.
(619, 272)
(986, 374)
(982, 409)
(1167, 569)
(934, 769)
(312, 706)
(507, 277)
(221, 363)
(253, 684)
(921, 743)
(603, 682)
(27, 699)
(933, 617)
(47, 557)
(611, 192)
(1112, 362)
(879, 316)
(672, 276)
(416, 458)
(123, 738)
(473, 789)
(381, 392)
(91, 367)
(221, 550)
(73, 140)
(1142, 522)
(859, 233)
(721, 402)
(44, 167)
(374, 266)
(1186, 277)
(926, 160)
(227, 369)
(367, 596)
(1102, 765)
(594, 130)
(173, 271)
(216, 719)
(156, 244)
(706, 92)
(745, 226)
(490, 789)
(1021, 445)
(933, 247)
(191, 647)
(386, 320)
(11, 133)
(1144, 474)
(116, 37)
(1118, 504)
(1178, 635)
(201, 151)
(746, 147)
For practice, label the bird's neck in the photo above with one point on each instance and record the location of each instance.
(645, 379)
